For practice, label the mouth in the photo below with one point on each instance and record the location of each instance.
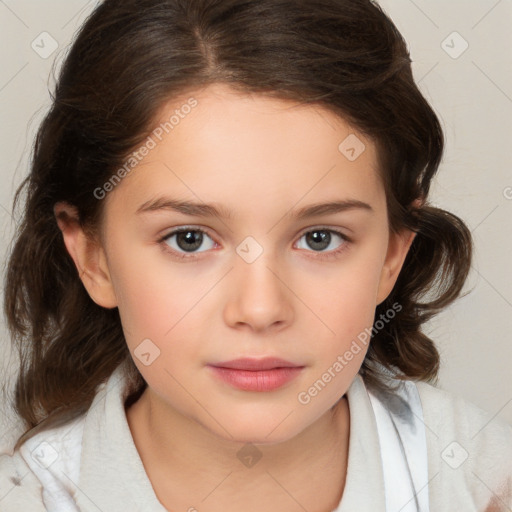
(249, 374)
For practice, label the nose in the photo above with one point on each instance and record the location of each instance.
(259, 298)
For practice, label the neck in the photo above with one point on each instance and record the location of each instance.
(186, 463)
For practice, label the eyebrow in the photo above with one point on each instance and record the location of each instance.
(210, 210)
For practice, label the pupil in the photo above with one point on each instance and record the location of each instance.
(319, 239)
(189, 240)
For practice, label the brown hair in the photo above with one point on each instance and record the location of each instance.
(132, 56)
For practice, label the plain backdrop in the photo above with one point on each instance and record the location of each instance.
(460, 52)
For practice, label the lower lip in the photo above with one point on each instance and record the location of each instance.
(263, 380)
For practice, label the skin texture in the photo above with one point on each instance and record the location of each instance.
(263, 159)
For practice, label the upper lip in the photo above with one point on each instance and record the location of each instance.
(249, 363)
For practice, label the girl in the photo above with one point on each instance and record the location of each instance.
(225, 262)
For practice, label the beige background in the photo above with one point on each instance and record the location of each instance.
(471, 92)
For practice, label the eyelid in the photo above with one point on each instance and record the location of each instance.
(333, 229)
(187, 227)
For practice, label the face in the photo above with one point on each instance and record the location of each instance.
(268, 276)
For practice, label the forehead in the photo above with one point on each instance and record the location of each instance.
(248, 149)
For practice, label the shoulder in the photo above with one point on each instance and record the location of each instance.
(470, 449)
(20, 489)
(40, 473)
(446, 411)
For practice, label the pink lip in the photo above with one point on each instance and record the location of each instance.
(256, 374)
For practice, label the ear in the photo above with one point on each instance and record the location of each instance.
(88, 255)
(398, 247)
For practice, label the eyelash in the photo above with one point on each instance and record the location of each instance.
(324, 255)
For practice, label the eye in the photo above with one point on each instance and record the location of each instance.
(321, 239)
(187, 240)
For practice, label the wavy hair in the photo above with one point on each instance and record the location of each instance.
(127, 60)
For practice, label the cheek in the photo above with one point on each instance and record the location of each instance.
(151, 297)
(347, 300)
(344, 308)
(156, 327)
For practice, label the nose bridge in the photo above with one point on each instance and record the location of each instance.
(258, 294)
(256, 267)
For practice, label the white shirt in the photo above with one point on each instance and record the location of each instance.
(420, 449)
